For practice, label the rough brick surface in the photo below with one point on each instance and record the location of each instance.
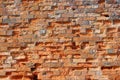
(59, 40)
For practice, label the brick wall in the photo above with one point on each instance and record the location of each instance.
(59, 40)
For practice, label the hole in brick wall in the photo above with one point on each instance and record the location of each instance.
(101, 1)
(73, 9)
(73, 45)
(34, 77)
(106, 15)
(32, 69)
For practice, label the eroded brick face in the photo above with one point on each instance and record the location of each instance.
(59, 39)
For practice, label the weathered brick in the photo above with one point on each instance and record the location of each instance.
(53, 64)
(6, 21)
(92, 51)
(17, 2)
(42, 32)
(110, 50)
(9, 32)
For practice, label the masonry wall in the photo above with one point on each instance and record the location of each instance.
(59, 39)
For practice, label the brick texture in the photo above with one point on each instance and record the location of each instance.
(59, 40)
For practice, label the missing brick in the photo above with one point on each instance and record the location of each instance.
(34, 77)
